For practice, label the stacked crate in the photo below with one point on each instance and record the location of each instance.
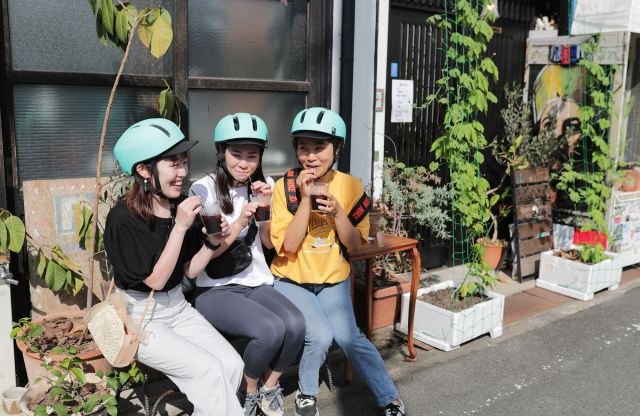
(532, 218)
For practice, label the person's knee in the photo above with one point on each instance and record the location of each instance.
(319, 339)
(272, 334)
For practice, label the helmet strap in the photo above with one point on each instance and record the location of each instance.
(146, 185)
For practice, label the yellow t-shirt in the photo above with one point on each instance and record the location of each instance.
(318, 260)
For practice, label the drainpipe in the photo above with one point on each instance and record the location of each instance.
(346, 77)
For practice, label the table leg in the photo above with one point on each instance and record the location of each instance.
(415, 282)
(368, 279)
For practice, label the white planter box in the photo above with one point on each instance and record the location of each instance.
(576, 279)
(446, 330)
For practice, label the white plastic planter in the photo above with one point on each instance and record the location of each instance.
(446, 330)
(576, 279)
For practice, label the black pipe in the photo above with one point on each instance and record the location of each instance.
(346, 77)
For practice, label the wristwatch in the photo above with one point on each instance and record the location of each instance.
(210, 245)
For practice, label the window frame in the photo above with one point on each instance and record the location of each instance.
(317, 85)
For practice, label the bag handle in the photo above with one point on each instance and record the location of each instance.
(146, 306)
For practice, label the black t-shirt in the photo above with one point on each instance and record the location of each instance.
(133, 248)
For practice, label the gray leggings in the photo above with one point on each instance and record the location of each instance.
(273, 324)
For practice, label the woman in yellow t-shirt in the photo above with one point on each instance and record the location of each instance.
(311, 235)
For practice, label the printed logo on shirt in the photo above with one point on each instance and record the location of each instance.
(321, 234)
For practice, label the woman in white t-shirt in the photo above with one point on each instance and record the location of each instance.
(235, 292)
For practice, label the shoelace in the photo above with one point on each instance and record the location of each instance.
(251, 402)
(305, 400)
(275, 395)
(393, 409)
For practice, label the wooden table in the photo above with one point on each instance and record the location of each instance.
(390, 244)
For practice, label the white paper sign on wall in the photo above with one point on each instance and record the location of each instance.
(401, 100)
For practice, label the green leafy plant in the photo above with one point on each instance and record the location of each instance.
(464, 91)
(410, 196)
(26, 331)
(518, 147)
(68, 390)
(587, 177)
(592, 254)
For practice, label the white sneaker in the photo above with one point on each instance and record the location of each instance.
(393, 409)
(272, 400)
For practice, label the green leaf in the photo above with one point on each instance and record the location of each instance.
(112, 410)
(56, 391)
(162, 34)
(79, 375)
(108, 16)
(122, 26)
(59, 276)
(78, 284)
(144, 29)
(91, 403)
(16, 230)
(64, 260)
(49, 276)
(113, 384)
(102, 35)
(41, 410)
(4, 237)
(60, 409)
(124, 377)
(41, 263)
(36, 330)
(94, 6)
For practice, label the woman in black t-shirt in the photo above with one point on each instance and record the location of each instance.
(151, 240)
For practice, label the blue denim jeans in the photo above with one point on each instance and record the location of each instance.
(329, 316)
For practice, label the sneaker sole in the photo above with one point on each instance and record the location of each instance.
(298, 414)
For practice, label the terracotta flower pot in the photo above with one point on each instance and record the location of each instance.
(93, 360)
(631, 180)
(385, 306)
(492, 252)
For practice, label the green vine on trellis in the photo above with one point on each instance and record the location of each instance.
(591, 185)
(464, 90)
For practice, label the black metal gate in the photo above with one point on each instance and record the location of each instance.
(415, 49)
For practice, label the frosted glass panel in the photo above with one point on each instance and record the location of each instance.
(277, 109)
(58, 127)
(60, 36)
(260, 39)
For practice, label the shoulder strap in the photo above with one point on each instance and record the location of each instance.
(360, 209)
(291, 191)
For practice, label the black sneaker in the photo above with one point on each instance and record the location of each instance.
(393, 409)
(305, 405)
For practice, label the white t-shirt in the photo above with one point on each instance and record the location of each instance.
(258, 272)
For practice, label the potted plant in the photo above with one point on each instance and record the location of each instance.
(410, 197)
(65, 389)
(472, 309)
(586, 179)
(118, 24)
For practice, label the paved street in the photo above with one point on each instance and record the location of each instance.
(586, 364)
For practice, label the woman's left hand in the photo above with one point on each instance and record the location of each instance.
(329, 205)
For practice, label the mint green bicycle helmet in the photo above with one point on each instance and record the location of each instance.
(149, 139)
(320, 123)
(241, 128)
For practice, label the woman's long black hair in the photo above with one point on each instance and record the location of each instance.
(224, 181)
